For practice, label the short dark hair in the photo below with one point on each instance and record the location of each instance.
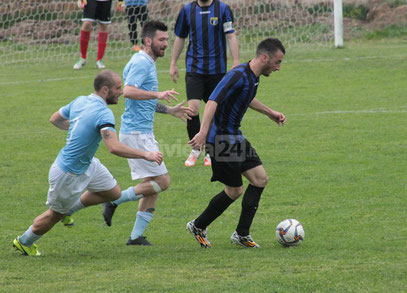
(269, 46)
(104, 78)
(150, 27)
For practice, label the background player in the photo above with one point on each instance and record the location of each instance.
(136, 11)
(94, 10)
(209, 24)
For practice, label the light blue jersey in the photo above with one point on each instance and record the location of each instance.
(138, 115)
(87, 115)
(136, 2)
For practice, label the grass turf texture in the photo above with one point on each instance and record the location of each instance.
(338, 166)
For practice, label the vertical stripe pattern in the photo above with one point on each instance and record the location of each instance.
(233, 94)
(204, 26)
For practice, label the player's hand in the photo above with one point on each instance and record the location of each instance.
(167, 95)
(198, 141)
(154, 157)
(82, 3)
(181, 112)
(120, 6)
(174, 73)
(278, 117)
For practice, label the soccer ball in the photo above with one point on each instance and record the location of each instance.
(290, 232)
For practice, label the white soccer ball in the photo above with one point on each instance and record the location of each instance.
(290, 232)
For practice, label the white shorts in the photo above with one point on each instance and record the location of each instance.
(65, 188)
(141, 168)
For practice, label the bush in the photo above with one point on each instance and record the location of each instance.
(357, 12)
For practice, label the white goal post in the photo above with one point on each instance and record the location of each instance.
(338, 23)
(48, 30)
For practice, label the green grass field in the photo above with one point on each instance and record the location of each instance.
(338, 166)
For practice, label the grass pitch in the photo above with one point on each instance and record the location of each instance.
(338, 166)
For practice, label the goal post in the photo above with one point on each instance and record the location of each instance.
(39, 31)
(338, 23)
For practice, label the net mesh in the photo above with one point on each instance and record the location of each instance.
(49, 30)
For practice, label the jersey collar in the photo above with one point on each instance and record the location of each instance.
(95, 96)
(248, 69)
(142, 52)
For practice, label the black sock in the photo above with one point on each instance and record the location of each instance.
(218, 204)
(250, 203)
(193, 126)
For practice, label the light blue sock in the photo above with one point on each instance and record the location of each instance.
(128, 195)
(142, 220)
(77, 206)
(28, 238)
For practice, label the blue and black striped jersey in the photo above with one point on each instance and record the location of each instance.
(206, 28)
(233, 94)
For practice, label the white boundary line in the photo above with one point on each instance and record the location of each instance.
(367, 111)
(183, 69)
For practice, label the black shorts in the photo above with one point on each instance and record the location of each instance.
(201, 86)
(97, 10)
(229, 161)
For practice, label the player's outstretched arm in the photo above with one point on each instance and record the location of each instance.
(277, 117)
(132, 92)
(178, 111)
(198, 141)
(176, 52)
(120, 149)
(59, 121)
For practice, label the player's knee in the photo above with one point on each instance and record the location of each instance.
(163, 183)
(87, 26)
(264, 180)
(260, 181)
(234, 192)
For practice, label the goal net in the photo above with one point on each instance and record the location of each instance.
(48, 30)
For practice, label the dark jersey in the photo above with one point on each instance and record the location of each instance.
(233, 94)
(206, 28)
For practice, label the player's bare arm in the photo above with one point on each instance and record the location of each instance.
(277, 117)
(234, 48)
(198, 141)
(176, 52)
(178, 110)
(59, 121)
(132, 92)
(119, 149)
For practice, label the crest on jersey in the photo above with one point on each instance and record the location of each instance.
(214, 21)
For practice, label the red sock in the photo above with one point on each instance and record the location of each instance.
(84, 43)
(101, 45)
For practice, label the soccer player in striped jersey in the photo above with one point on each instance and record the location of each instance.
(209, 25)
(232, 155)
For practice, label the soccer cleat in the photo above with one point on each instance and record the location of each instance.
(207, 160)
(193, 156)
(26, 250)
(68, 221)
(108, 211)
(245, 241)
(141, 240)
(200, 234)
(100, 65)
(78, 65)
(136, 48)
